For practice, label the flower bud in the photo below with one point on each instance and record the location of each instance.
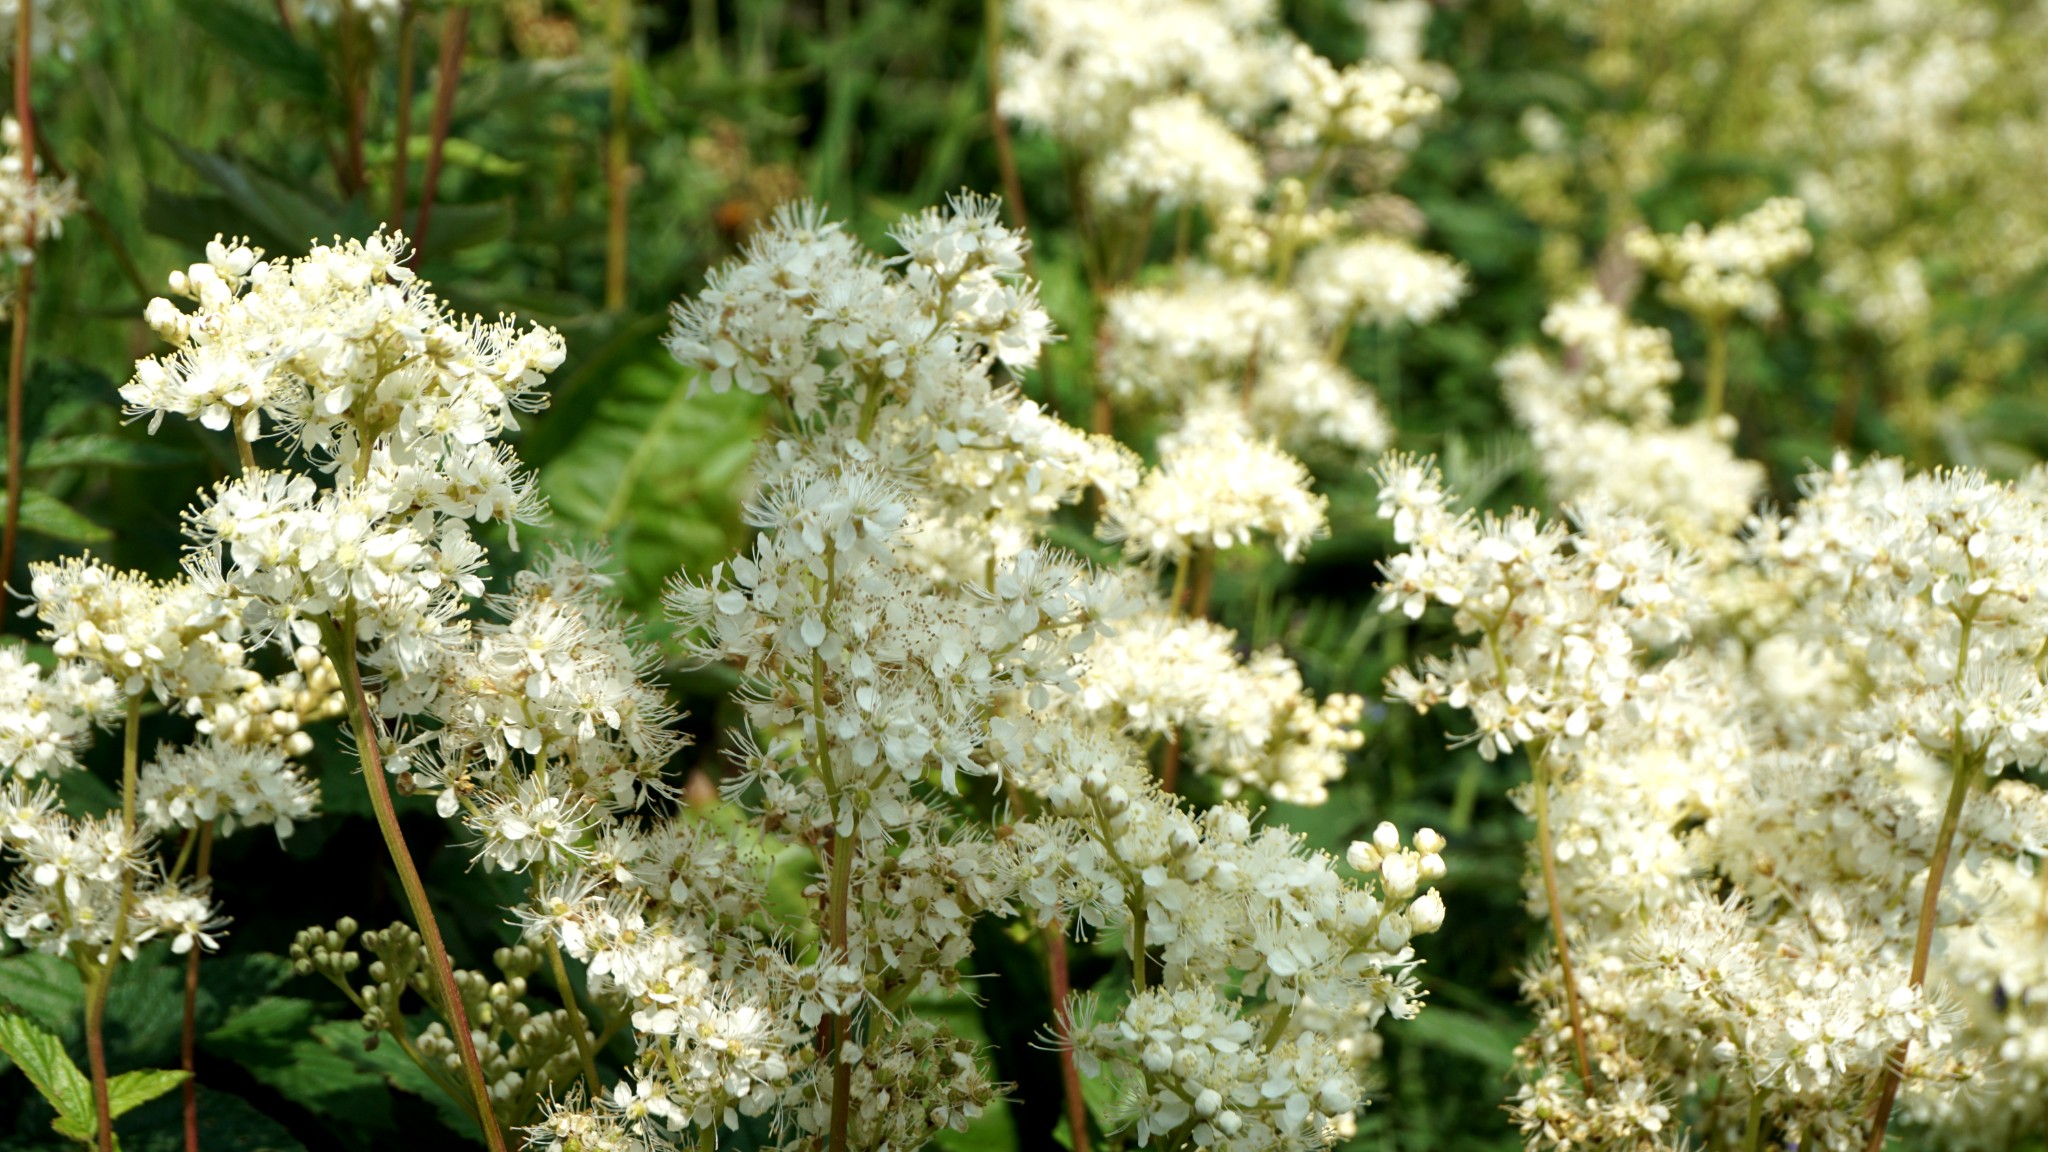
(1427, 913)
(1386, 838)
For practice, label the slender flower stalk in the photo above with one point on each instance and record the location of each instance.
(401, 136)
(618, 156)
(340, 644)
(1063, 1020)
(188, 1041)
(1546, 854)
(102, 981)
(454, 38)
(998, 123)
(24, 291)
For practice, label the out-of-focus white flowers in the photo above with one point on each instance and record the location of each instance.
(32, 206)
(1715, 273)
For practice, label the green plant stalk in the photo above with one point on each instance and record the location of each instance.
(618, 155)
(1540, 785)
(1962, 768)
(1717, 370)
(1753, 1132)
(188, 1038)
(560, 972)
(341, 648)
(102, 980)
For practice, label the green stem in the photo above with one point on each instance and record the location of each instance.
(1540, 785)
(1717, 370)
(188, 1040)
(341, 649)
(102, 981)
(1753, 1132)
(575, 1010)
(1963, 769)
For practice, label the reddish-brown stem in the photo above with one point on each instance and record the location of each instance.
(454, 33)
(1070, 1072)
(17, 371)
(401, 143)
(1169, 764)
(188, 1043)
(341, 650)
(618, 158)
(1547, 858)
(352, 78)
(96, 1063)
(1961, 770)
(284, 17)
(1006, 157)
(17, 351)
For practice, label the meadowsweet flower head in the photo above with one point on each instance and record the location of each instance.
(32, 206)
(1217, 486)
(1716, 273)
(1378, 280)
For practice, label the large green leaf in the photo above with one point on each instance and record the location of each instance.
(388, 1061)
(657, 474)
(41, 1057)
(46, 515)
(101, 450)
(273, 1039)
(124, 1093)
(43, 988)
(260, 41)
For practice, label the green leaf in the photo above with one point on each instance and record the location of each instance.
(46, 515)
(41, 1057)
(100, 450)
(257, 39)
(657, 473)
(43, 988)
(278, 215)
(272, 1040)
(130, 1089)
(1475, 1038)
(389, 1062)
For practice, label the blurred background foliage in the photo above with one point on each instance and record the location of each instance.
(181, 119)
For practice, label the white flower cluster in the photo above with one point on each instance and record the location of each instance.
(1601, 424)
(1178, 346)
(1217, 485)
(32, 206)
(47, 718)
(1715, 273)
(1365, 103)
(1378, 280)
(1231, 906)
(1833, 756)
(1176, 152)
(890, 653)
(381, 15)
(362, 369)
(1250, 726)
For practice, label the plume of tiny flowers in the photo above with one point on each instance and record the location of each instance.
(1715, 273)
(363, 372)
(1217, 486)
(32, 206)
